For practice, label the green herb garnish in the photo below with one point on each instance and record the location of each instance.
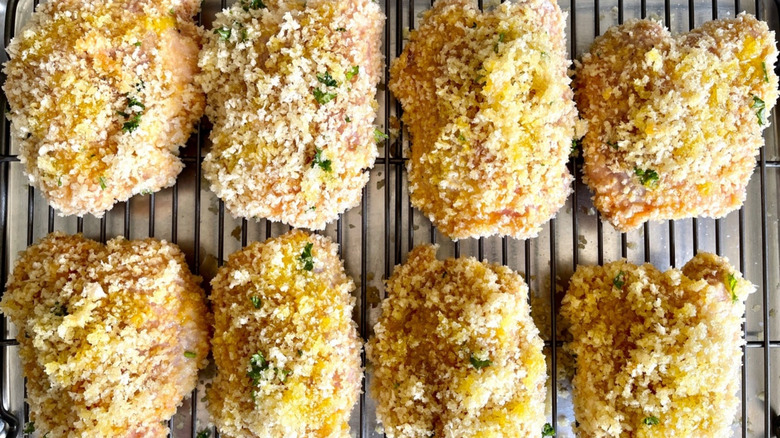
(133, 102)
(575, 148)
(461, 137)
(351, 73)
(204, 433)
(256, 301)
(132, 124)
(29, 427)
(190, 354)
(252, 4)
(379, 136)
(283, 374)
(500, 40)
(171, 12)
(612, 144)
(548, 430)
(137, 44)
(648, 177)
(59, 309)
(327, 79)
(766, 76)
(224, 32)
(306, 258)
(341, 29)
(257, 364)
(318, 161)
(300, 353)
(619, 280)
(651, 421)
(732, 287)
(347, 119)
(760, 107)
(479, 364)
(59, 181)
(323, 97)
(102, 182)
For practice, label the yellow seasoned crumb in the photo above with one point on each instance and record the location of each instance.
(286, 348)
(675, 122)
(487, 101)
(102, 95)
(658, 354)
(111, 337)
(455, 353)
(290, 87)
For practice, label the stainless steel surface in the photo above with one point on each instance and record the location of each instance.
(377, 235)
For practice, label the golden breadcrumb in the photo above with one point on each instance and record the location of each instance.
(286, 348)
(487, 101)
(111, 337)
(102, 95)
(455, 353)
(675, 122)
(290, 87)
(658, 354)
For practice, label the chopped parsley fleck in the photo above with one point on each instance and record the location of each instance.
(479, 364)
(347, 119)
(204, 433)
(732, 286)
(224, 32)
(102, 182)
(59, 309)
(59, 181)
(379, 136)
(145, 192)
(500, 40)
(300, 353)
(619, 280)
(318, 161)
(29, 427)
(648, 177)
(461, 137)
(306, 257)
(132, 124)
(252, 4)
(351, 73)
(760, 107)
(256, 301)
(190, 354)
(137, 44)
(257, 364)
(766, 76)
(575, 148)
(133, 102)
(171, 12)
(327, 79)
(341, 29)
(323, 97)
(548, 430)
(612, 144)
(651, 421)
(283, 374)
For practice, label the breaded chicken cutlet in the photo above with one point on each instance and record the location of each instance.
(291, 87)
(658, 354)
(487, 101)
(110, 337)
(455, 352)
(674, 123)
(286, 348)
(102, 95)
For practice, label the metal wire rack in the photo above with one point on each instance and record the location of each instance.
(377, 235)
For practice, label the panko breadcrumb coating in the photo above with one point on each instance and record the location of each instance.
(455, 353)
(487, 101)
(290, 86)
(658, 354)
(102, 95)
(111, 337)
(286, 348)
(675, 122)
